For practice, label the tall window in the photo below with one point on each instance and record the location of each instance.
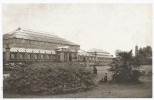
(18, 41)
(42, 43)
(10, 40)
(46, 43)
(37, 43)
(35, 56)
(21, 56)
(48, 57)
(42, 57)
(32, 42)
(28, 56)
(23, 41)
(14, 40)
(12, 56)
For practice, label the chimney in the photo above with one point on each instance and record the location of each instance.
(136, 50)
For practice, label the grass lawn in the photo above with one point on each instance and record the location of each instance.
(105, 90)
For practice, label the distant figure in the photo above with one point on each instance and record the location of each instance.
(102, 80)
(94, 70)
(105, 78)
(85, 64)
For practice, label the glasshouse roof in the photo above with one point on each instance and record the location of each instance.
(97, 51)
(38, 36)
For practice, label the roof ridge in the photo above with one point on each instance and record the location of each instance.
(32, 30)
(95, 49)
(43, 33)
(82, 50)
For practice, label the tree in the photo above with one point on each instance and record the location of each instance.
(127, 56)
(144, 55)
(145, 51)
(122, 68)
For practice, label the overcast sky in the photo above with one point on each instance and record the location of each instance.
(103, 26)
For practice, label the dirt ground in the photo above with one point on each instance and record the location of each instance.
(106, 90)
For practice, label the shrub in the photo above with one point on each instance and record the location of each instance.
(136, 75)
(123, 73)
(51, 78)
(6, 86)
(125, 76)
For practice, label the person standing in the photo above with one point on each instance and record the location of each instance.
(105, 78)
(94, 70)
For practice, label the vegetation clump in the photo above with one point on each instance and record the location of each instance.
(50, 78)
(122, 68)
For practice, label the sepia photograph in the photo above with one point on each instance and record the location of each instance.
(71, 50)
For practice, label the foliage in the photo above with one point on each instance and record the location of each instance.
(118, 61)
(136, 62)
(127, 56)
(51, 78)
(145, 51)
(144, 55)
(122, 74)
(122, 68)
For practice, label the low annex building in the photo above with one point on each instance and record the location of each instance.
(96, 56)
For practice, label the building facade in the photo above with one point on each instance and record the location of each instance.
(24, 45)
(30, 46)
(95, 56)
